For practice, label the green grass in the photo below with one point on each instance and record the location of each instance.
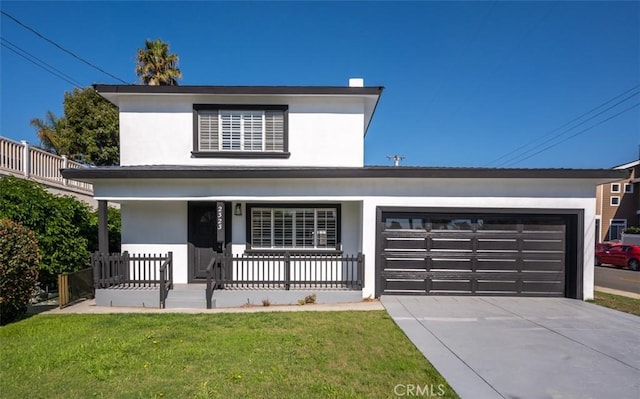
(260, 355)
(617, 302)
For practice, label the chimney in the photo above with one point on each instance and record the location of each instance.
(356, 82)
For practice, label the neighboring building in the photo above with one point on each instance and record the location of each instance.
(281, 169)
(618, 204)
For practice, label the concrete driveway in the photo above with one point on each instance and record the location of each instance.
(499, 347)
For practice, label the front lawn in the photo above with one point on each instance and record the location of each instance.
(259, 355)
(617, 302)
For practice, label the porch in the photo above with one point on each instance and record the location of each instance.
(146, 280)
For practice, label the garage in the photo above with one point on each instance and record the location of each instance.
(477, 252)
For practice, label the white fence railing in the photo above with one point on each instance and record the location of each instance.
(33, 163)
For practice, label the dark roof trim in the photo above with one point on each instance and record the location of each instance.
(247, 90)
(207, 172)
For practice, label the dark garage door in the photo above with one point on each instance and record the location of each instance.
(471, 254)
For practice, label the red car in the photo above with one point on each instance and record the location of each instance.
(620, 255)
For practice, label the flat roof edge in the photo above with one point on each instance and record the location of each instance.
(186, 172)
(246, 90)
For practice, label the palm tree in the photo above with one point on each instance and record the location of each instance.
(49, 132)
(155, 66)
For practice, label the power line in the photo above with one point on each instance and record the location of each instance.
(568, 130)
(38, 62)
(60, 47)
(579, 133)
(562, 127)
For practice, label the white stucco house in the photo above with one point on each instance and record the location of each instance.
(263, 173)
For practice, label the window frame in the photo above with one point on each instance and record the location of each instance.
(248, 230)
(615, 188)
(616, 198)
(627, 188)
(197, 153)
(619, 223)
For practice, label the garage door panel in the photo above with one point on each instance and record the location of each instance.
(459, 286)
(497, 286)
(543, 245)
(543, 287)
(497, 244)
(545, 265)
(404, 286)
(448, 244)
(411, 243)
(405, 264)
(450, 264)
(475, 255)
(497, 264)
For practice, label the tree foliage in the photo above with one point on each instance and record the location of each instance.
(65, 227)
(155, 66)
(88, 131)
(49, 130)
(19, 261)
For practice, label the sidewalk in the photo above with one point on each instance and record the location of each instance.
(617, 292)
(89, 307)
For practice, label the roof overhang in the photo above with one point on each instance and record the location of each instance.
(370, 95)
(628, 165)
(367, 172)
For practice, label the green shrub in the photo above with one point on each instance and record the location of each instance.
(62, 224)
(19, 261)
(632, 230)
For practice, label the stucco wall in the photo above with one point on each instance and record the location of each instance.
(323, 131)
(151, 207)
(156, 228)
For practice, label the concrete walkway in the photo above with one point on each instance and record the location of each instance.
(498, 347)
(89, 307)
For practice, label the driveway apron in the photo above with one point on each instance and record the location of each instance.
(503, 347)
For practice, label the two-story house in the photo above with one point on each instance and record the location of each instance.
(618, 204)
(275, 177)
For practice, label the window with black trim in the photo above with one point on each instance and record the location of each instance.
(240, 130)
(299, 227)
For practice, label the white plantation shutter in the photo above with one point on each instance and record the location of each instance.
(294, 228)
(326, 229)
(208, 130)
(241, 130)
(274, 130)
(252, 130)
(231, 124)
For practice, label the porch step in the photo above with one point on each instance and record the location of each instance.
(187, 296)
(137, 297)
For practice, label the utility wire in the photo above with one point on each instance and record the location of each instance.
(568, 130)
(38, 62)
(562, 127)
(579, 133)
(60, 47)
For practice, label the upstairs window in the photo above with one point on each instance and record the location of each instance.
(615, 187)
(240, 131)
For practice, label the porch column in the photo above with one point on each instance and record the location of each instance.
(103, 227)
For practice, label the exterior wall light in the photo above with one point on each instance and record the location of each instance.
(238, 210)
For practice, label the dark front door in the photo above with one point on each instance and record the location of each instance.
(204, 239)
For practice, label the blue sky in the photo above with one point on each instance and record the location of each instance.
(465, 82)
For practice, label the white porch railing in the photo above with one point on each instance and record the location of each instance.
(19, 158)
